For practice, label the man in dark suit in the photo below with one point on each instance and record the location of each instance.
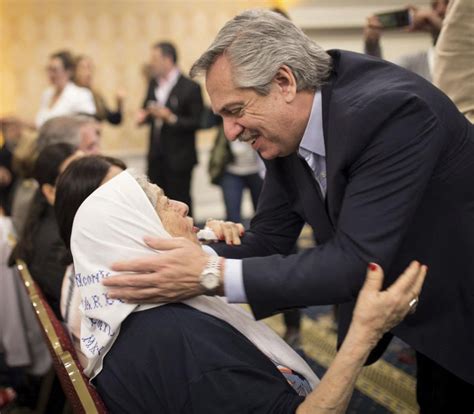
(377, 160)
(172, 107)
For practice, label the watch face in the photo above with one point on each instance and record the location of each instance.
(209, 280)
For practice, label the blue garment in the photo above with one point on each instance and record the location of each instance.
(232, 189)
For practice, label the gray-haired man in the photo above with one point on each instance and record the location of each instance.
(377, 160)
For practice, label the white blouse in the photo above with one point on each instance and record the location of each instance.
(73, 100)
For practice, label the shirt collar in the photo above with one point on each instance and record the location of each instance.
(172, 77)
(313, 137)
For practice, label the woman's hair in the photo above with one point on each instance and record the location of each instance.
(45, 171)
(66, 58)
(81, 178)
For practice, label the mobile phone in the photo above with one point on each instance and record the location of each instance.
(398, 18)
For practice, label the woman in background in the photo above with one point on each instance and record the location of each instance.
(83, 76)
(40, 244)
(63, 97)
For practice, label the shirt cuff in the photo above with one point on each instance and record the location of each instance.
(233, 279)
(209, 250)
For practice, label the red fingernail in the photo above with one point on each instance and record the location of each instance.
(221, 238)
(373, 267)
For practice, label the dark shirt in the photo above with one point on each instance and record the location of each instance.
(47, 264)
(175, 359)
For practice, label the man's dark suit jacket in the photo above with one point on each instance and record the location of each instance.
(400, 171)
(177, 141)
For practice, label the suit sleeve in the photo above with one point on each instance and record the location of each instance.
(190, 119)
(150, 96)
(385, 185)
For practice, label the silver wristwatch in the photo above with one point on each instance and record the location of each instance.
(211, 275)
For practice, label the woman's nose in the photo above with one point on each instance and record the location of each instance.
(180, 207)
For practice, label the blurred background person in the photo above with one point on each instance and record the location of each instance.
(173, 108)
(40, 244)
(80, 131)
(454, 60)
(11, 130)
(83, 77)
(234, 167)
(63, 97)
(428, 20)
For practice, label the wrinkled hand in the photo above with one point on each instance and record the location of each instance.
(226, 230)
(171, 275)
(377, 311)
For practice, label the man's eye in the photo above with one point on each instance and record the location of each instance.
(234, 111)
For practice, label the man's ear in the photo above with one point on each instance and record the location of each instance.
(49, 192)
(286, 82)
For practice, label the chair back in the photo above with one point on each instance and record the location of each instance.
(83, 398)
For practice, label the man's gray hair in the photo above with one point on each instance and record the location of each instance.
(62, 129)
(258, 43)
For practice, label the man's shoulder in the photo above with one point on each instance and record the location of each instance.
(187, 82)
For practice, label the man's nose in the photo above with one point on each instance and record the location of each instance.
(232, 129)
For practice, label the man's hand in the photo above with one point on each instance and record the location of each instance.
(163, 113)
(169, 276)
(141, 116)
(377, 311)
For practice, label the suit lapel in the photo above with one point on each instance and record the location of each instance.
(336, 181)
(173, 98)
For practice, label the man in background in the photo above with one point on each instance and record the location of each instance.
(172, 107)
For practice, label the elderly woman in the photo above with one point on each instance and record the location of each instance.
(200, 355)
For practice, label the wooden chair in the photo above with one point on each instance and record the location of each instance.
(80, 394)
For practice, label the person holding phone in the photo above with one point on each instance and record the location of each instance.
(412, 19)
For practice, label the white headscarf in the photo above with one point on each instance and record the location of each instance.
(110, 226)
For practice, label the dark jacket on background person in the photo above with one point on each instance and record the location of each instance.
(176, 143)
(48, 260)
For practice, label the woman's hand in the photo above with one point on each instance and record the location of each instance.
(226, 230)
(377, 311)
